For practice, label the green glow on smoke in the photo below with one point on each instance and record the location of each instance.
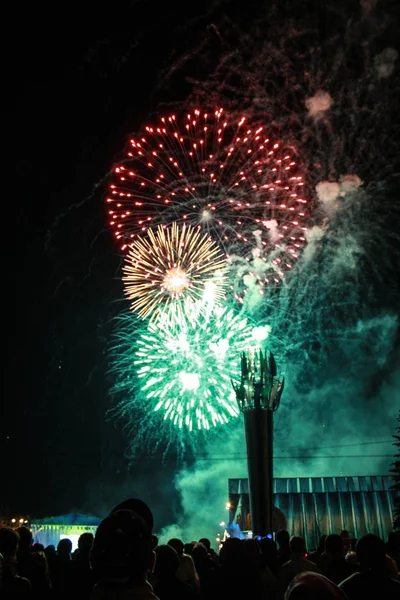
(184, 368)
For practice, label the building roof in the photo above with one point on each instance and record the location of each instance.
(70, 519)
(312, 485)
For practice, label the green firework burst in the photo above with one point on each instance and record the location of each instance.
(183, 368)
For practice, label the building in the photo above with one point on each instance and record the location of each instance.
(51, 530)
(313, 506)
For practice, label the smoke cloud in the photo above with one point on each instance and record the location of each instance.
(325, 430)
(333, 321)
(328, 192)
(318, 104)
(385, 63)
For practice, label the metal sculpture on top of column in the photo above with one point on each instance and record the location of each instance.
(258, 395)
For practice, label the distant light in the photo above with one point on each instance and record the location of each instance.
(21, 520)
(269, 536)
(12, 520)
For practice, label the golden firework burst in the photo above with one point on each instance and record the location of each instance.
(170, 266)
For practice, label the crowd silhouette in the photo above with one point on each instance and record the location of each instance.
(124, 561)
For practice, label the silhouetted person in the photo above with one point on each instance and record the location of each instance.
(251, 555)
(345, 536)
(371, 582)
(206, 543)
(82, 577)
(12, 585)
(167, 586)
(140, 508)
(32, 564)
(61, 571)
(85, 544)
(296, 564)
(316, 555)
(186, 571)
(51, 557)
(188, 548)
(282, 538)
(204, 565)
(392, 547)
(269, 567)
(313, 586)
(336, 568)
(231, 579)
(122, 555)
(211, 553)
(64, 549)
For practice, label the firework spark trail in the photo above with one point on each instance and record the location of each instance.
(170, 266)
(332, 104)
(226, 176)
(341, 281)
(333, 321)
(183, 368)
(329, 105)
(323, 96)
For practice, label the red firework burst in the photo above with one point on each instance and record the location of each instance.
(218, 173)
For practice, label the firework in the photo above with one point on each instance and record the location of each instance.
(221, 174)
(320, 108)
(183, 369)
(171, 266)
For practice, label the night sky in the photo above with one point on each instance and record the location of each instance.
(80, 79)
